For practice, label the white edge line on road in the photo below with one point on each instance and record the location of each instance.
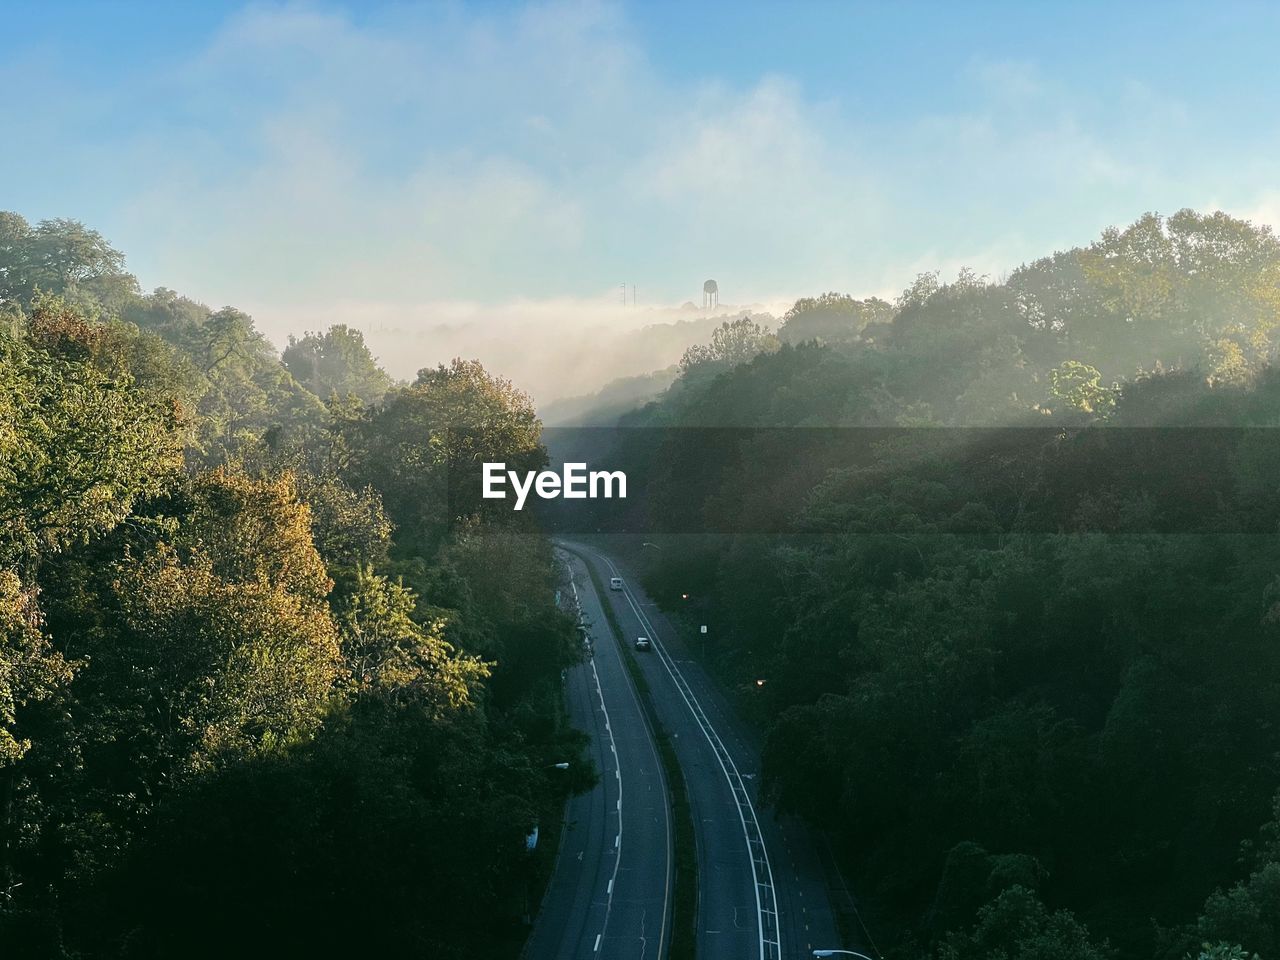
(709, 731)
(617, 842)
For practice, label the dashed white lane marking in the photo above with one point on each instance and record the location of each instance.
(617, 840)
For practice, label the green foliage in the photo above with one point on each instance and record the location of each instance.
(1078, 386)
(1246, 913)
(390, 655)
(31, 669)
(336, 362)
(420, 449)
(1017, 926)
(226, 726)
(80, 440)
(733, 342)
(970, 707)
(389, 834)
(1224, 951)
(831, 318)
(239, 664)
(246, 403)
(60, 257)
(347, 525)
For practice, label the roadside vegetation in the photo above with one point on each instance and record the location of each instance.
(1028, 686)
(262, 691)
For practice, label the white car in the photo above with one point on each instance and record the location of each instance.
(615, 583)
(642, 643)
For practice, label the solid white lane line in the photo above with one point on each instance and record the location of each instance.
(743, 802)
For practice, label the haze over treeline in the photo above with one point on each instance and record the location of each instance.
(239, 611)
(554, 350)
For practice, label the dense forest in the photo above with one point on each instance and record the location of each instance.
(267, 685)
(1031, 693)
(261, 693)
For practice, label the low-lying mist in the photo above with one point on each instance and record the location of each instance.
(552, 349)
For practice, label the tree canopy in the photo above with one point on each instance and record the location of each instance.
(1023, 678)
(248, 698)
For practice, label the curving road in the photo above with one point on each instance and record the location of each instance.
(762, 892)
(761, 888)
(610, 895)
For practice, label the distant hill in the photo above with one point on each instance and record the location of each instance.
(606, 405)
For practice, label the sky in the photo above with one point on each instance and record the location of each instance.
(506, 164)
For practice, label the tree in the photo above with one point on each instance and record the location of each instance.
(1017, 926)
(423, 450)
(1169, 287)
(1077, 385)
(956, 655)
(1223, 951)
(80, 441)
(60, 257)
(733, 342)
(336, 361)
(205, 661)
(831, 318)
(1248, 913)
(31, 669)
(246, 403)
(229, 666)
(253, 529)
(349, 526)
(390, 655)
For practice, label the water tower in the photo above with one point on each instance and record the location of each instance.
(710, 295)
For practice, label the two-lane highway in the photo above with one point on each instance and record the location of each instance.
(610, 896)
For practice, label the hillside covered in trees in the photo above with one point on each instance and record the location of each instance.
(265, 686)
(260, 694)
(1030, 690)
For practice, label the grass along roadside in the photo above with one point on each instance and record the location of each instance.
(684, 843)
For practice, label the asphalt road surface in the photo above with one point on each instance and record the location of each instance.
(610, 894)
(762, 893)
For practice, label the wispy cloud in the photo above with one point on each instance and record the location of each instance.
(314, 163)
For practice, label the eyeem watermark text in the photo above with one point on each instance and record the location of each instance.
(574, 483)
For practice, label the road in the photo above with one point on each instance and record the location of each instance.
(762, 892)
(610, 894)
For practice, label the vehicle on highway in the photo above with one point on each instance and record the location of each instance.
(642, 643)
(615, 583)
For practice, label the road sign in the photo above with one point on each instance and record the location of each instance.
(704, 628)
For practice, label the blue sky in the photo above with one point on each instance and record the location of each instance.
(320, 162)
